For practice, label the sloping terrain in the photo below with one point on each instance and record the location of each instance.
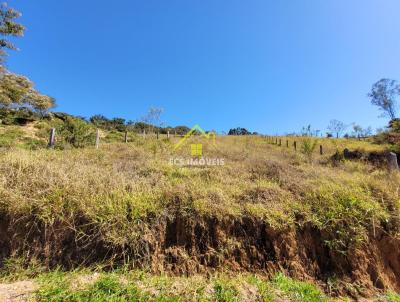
(267, 210)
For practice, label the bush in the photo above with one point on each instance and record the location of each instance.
(76, 132)
(308, 146)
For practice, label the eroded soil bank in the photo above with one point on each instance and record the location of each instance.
(186, 245)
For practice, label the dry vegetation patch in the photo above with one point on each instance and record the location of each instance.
(266, 209)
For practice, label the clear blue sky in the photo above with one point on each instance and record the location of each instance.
(269, 66)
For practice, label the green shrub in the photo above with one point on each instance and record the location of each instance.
(76, 132)
(346, 212)
(308, 146)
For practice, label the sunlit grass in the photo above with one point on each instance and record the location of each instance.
(118, 186)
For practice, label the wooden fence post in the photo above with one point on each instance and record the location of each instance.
(167, 134)
(320, 150)
(392, 161)
(287, 144)
(97, 138)
(280, 142)
(295, 146)
(157, 134)
(144, 133)
(52, 138)
(126, 136)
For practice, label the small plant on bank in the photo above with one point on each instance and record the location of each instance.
(308, 146)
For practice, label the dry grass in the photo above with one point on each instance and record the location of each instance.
(124, 190)
(258, 179)
(331, 145)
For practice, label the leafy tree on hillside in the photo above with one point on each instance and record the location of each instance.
(137, 127)
(181, 130)
(336, 127)
(384, 94)
(18, 91)
(394, 125)
(118, 123)
(239, 131)
(99, 120)
(8, 27)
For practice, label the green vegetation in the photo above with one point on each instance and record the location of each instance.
(124, 206)
(393, 297)
(8, 27)
(87, 285)
(308, 146)
(121, 286)
(259, 180)
(106, 288)
(299, 291)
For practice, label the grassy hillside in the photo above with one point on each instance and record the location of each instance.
(269, 209)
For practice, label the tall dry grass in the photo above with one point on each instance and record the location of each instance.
(123, 189)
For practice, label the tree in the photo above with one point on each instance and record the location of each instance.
(18, 91)
(137, 127)
(100, 121)
(383, 94)
(41, 103)
(306, 131)
(394, 125)
(153, 118)
(357, 130)
(336, 127)
(8, 27)
(181, 130)
(239, 131)
(366, 132)
(118, 123)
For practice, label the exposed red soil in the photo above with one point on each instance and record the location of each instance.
(184, 246)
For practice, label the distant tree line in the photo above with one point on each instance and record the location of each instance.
(120, 124)
(241, 131)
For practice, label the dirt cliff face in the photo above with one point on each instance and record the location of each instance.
(184, 245)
